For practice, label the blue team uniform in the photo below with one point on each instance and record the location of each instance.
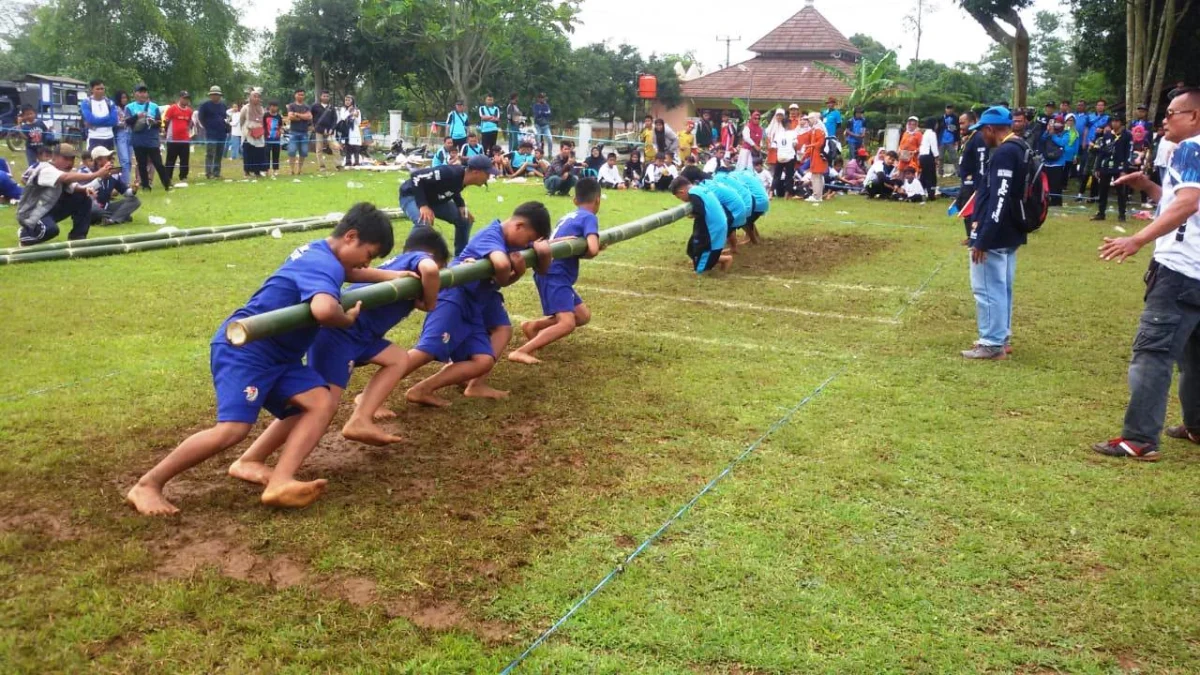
(336, 352)
(457, 328)
(556, 288)
(735, 208)
(739, 187)
(710, 227)
(268, 372)
(761, 200)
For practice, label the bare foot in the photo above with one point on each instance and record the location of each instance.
(366, 432)
(253, 472)
(724, 264)
(522, 357)
(528, 329)
(419, 397)
(484, 391)
(294, 494)
(149, 501)
(383, 414)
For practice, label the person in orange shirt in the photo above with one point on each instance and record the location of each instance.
(818, 166)
(178, 121)
(910, 145)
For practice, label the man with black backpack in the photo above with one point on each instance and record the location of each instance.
(1002, 220)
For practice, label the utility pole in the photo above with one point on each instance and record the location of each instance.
(727, 40)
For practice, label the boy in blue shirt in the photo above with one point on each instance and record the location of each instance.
(489, 118)
(456, 124)
(710, 226)
(856, 132)
(270, 372)
(562, 308)
(471, 147)
(37, 135)
(456, 331)
(442, 156)
(336, 352)
(522, 163)
(760, 201)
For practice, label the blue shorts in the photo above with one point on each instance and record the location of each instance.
(336, 353)
(245, 384)
(557, 294)
(494, 313)
(298, 145)
(448, 335)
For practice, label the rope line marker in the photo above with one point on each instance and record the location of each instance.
(687, 506)
(731, 304)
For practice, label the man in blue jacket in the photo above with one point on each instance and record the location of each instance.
(541, 120)
(100, 117)
(997, 234)
(213, 119)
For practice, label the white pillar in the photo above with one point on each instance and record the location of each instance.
(891, 137)
(583, 146)
(395, 125)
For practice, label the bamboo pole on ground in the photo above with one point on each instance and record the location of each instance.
(201, 235)
(300, 316)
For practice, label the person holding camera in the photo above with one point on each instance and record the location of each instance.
(145, 120)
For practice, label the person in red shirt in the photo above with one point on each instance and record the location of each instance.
(178, 121)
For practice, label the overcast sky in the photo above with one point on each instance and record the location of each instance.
(668, 27)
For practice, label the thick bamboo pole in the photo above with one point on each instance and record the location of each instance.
(150, 236)
(299, 316)
(203, 235)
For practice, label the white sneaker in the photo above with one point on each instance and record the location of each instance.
(813, 199)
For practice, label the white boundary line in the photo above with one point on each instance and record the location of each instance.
(711, 342)
(740, 305)
(758, 277)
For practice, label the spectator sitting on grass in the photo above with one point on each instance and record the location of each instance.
(522, 163)
(634, 170)
(610, 174)
(104, 209)
(563, 171)
(880, 181)
(442, 156)
(910, 189)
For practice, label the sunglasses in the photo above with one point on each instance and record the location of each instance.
(1172, 113)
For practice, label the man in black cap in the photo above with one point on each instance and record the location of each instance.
(436, 193)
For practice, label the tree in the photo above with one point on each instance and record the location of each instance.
(1053, 70)
(470, 39)
(1149, 32)
(872, 50)
(914, 22)
(989, 14)
(868, 82)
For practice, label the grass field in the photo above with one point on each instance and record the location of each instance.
(920, 514)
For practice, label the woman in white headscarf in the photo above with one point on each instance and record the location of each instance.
(782, 154)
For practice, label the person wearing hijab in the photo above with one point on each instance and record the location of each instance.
(818, 165)
(665, 140)
(752, 138)
(254, 135)
(910, 146)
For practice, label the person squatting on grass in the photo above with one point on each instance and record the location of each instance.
(271, 373)
(710, 226)
(470, 327)
(436, 192)
(336, 352)
(562, 308)
(996, 234)
(1167, 333)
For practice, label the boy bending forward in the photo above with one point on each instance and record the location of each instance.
(456, 332)
(270, 373)
(561, 305)
(336, 352)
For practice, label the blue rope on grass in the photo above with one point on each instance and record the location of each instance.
(670, 521)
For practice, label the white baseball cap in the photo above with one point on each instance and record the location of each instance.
(101, 151)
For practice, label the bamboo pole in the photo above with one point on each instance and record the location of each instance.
(287, 319)
(173, 242)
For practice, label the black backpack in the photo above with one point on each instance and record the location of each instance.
(1051, 150)
(832, 150)
(1034, 204)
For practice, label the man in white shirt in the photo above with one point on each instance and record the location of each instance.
(911, 189)
(1168, 333)
(657, 177)
(100, 117)
(716, 162)
(927, 157)
(53, 194)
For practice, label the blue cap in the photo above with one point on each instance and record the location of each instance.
(997, 115)
(481, 163)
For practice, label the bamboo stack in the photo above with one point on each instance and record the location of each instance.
(287, 319)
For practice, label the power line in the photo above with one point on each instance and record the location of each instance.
(727, 40)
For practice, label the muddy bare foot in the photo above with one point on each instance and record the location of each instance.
(383, 414)
(484, 391)
(420, 397)
(528, 330)
(149, 501)
(253, 472)
(522, 357)
(366, 432)
(294, 494)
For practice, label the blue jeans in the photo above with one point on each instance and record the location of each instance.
(543, 131)
(1167, 334)
(234, 144)
(557, 185)
(514, 137)
(298, 145)
(992, 284)
(125, 155)
(447, 211)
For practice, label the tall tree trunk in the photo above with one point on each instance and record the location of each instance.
(1170, 20)
(1020, 58)
(1131, 41)
(318, 74)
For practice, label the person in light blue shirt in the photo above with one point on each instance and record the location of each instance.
(145, 120)
(489, 123)
(832, 117)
